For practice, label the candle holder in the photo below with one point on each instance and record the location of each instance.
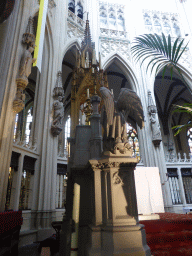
(88, 110)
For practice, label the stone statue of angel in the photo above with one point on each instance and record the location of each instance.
(115, 114)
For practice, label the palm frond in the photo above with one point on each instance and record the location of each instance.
(186, 108)
(179, 128)
(159, 51)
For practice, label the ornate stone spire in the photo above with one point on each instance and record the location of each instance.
(87, 37)
(58, 90)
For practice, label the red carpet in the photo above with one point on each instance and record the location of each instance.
(171, 235)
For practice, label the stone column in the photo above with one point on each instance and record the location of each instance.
(121, 233)
(16, 187)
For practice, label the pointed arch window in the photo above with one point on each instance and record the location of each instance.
(133, 140)
(67, 129)
(103, 19)
(71, 5)
(148, 22)
(112, 21)
(16, 126)
(157, 26)
(80, 10)
(176, 30)
(120, 22)
(29, 119)
(167, 28)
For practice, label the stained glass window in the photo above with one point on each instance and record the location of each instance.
(133, 140)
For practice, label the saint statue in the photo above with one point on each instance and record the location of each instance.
(26, 63)
(156, 133)
(57, 123)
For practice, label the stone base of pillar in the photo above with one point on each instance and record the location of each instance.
(118, 240)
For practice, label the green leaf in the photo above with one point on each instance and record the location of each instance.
(164, 69)
(169, 46)
(174, 48)
(159, 53)
(177, 51)
(165, 45)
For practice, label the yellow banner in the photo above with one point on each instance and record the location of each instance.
(40, 33)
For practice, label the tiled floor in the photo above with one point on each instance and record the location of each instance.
(31, 250)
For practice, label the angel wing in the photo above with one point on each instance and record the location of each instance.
(130, 104)
(108, 99)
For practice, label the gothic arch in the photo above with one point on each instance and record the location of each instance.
(167, 93)
(72, 42)
(125, 66)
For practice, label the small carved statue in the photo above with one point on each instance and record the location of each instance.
(26, 63)
(57, 123)
(156, 133)
(114, 116)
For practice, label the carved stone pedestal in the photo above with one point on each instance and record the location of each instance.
(120, 232)
(118, 240)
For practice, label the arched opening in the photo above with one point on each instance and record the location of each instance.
(68, 66)
(117, 79)
(169, 92)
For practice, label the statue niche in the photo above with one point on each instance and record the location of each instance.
(115, 114)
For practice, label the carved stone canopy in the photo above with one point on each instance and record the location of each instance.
(29, 35)
(58, 90)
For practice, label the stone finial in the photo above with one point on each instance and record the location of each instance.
(29, 35)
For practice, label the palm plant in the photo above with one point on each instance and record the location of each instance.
(186, 108)
(160, 51)
(163, 55)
